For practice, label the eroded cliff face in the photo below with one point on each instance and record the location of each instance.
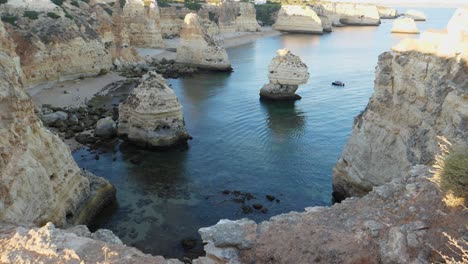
(405, 221)
(197, 47)
(348, 13)
(142, 19)
(387, 12)
(232, 16)
(421, 92)
(39, 180)
(172, 19)
(302, 19)
(152, 115)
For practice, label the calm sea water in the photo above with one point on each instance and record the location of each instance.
(241, 143)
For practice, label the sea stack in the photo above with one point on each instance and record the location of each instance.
(416, 15)
(387, 12)
(405, 25)
(197, 48)
(294, 18)
(286, 73)
(152, 115)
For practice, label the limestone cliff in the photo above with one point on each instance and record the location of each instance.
(152, 115)
(420, 93)
(172, 19)
(348, 13)
(26, 244)
(285, 72)
(142, 19)
(198, 48)
(295, 18)
(39, 180)
(232, 16)
(405, 221)
(416, 15)
(405, 25)
(387, 12)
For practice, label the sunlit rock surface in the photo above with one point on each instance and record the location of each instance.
(286, 73)
(152, 115)
(295, 18)
(232, 16)
(420, 93)
(416, 15)
(348, 13)
(198, 48)
(405, 25)
(142, 19)
(39, 180)
(387, 12)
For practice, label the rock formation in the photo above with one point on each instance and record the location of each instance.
(286, 73)
(198, 49)
(387, 12)
(348, 13)
(420, 94)
(295, 18)
(172, 19)
(39, 180)
(142, 19)
(404, 221)
(405, 25)
(47, 244)
(416, 15)
(232, 16)
(152, 116)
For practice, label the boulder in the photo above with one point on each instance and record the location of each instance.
(152, 115)
(105, 128)
(405, 25)
(416, 15)
(51, 118)
(197, 47)
(301, 19)
(286, 73)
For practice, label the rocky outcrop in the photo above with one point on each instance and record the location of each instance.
(420, 93)
(39, 180)
(286, 73)
(47, 244)
(404, 221)
(197, 48)
(142, 19)
(152, 115)
(387, 12)
(416, 15)
(172, 20)
(232, 16)
(295, 18)
(405, 25)
(348, 13)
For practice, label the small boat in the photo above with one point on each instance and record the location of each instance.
(338, 83)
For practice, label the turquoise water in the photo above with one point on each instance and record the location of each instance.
(241, 143)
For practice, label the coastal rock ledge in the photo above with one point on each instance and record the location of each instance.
(152, 115)
(286, 72)
(197, 47)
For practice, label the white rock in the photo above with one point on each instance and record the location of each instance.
(416, 15)
(105, 128)
(405, 25)
(295, 18)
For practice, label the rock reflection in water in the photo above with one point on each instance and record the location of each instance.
(284, 119)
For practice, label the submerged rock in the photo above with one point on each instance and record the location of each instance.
(197, 48)
(152, 115)
(286, 73)
(295, 18)
(405, 25)
(416, 15)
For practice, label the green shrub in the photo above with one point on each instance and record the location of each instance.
(122, 3)
(454, 174)
(57, 2)
(192, 5)
(3, 1)
(86, 1)
(53, 15)
(69, 16)
(265, 12)
(163, 3)
(75, 3)
(33, 15)
(213, 17)
(10, 19)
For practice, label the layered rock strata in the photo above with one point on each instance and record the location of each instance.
(420, 94)
(286, 73)
(172, 20)
(348, 13)
(387, 12)
(232, 16)
(416, 15)
(142, 20)
(197, 47)
(405, 25)
(405, 221)
(39, 180)
(294, 18)
(152, 115)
